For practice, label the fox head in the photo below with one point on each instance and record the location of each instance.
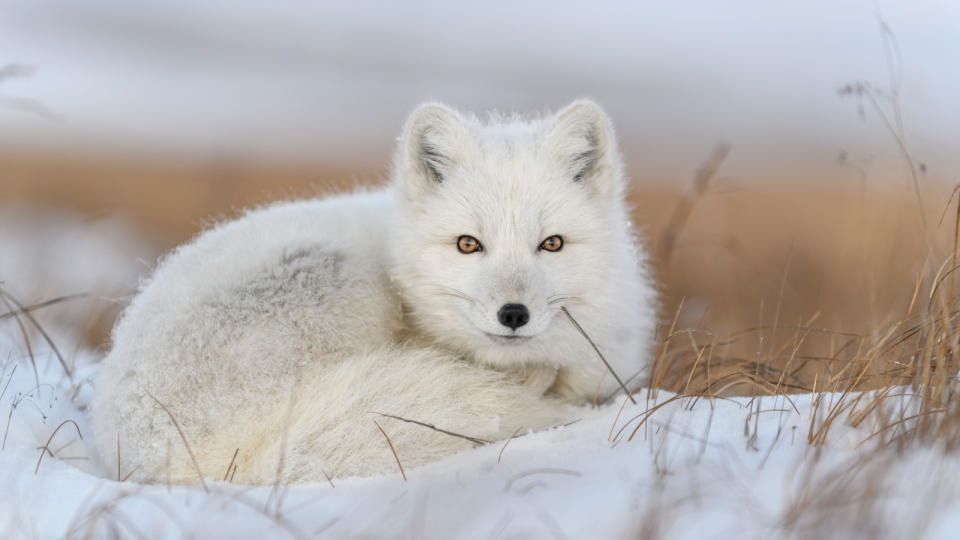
(506, 221)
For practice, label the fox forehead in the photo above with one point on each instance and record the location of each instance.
(509, 189)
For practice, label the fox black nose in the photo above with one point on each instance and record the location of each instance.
(513, 315)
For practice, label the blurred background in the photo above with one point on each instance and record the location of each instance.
(825, 134)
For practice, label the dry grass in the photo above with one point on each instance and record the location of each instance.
(853, 251)
(394, 451)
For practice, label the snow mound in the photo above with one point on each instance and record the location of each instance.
(694, 468)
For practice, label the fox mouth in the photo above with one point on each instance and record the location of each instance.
(508, 339)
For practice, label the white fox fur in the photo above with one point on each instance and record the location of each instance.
(284, 332)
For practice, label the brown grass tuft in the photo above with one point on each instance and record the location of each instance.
(46, 447)
(394, 450)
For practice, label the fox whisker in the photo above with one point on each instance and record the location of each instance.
(561, 299)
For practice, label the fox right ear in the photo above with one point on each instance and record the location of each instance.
(433, 140)
(581, 138)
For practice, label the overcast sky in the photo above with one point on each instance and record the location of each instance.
(333, 82)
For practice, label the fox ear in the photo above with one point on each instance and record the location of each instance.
(433, 140)
(581, 138)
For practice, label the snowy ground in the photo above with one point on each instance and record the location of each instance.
(704, 469)
(695, 468)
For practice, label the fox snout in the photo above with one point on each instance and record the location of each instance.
(513, 316)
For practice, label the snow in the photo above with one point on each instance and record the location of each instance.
(696, 468)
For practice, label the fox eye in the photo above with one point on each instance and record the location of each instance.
(553, 243)
(468, 244)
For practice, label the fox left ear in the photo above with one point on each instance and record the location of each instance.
(434, 141)
(581, 138)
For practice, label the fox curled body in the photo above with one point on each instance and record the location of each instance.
(438, 298)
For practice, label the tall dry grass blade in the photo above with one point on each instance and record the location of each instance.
(9, 379)
(616, 419)
(946, 207)
(657, 371)
(474, 440)
(6, 430)
(941, 275)
(183, 438)
(129, 474)
(325, 475)
(600, 354)
(956, 242)
(916, 291)
(644, 415)
(53, 346)
(861, 89)
(899, 423)
(26, 340)
(46, 447)
(683, 209)
(40, 305)
(500, 454)
(226, 475)
(394, 450)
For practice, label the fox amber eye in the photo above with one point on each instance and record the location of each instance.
(554, 243)
(468, 244)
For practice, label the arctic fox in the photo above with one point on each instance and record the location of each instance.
(276, 347)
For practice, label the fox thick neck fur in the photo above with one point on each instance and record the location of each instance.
(283, 333)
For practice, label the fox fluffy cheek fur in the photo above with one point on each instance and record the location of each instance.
(282, 336)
